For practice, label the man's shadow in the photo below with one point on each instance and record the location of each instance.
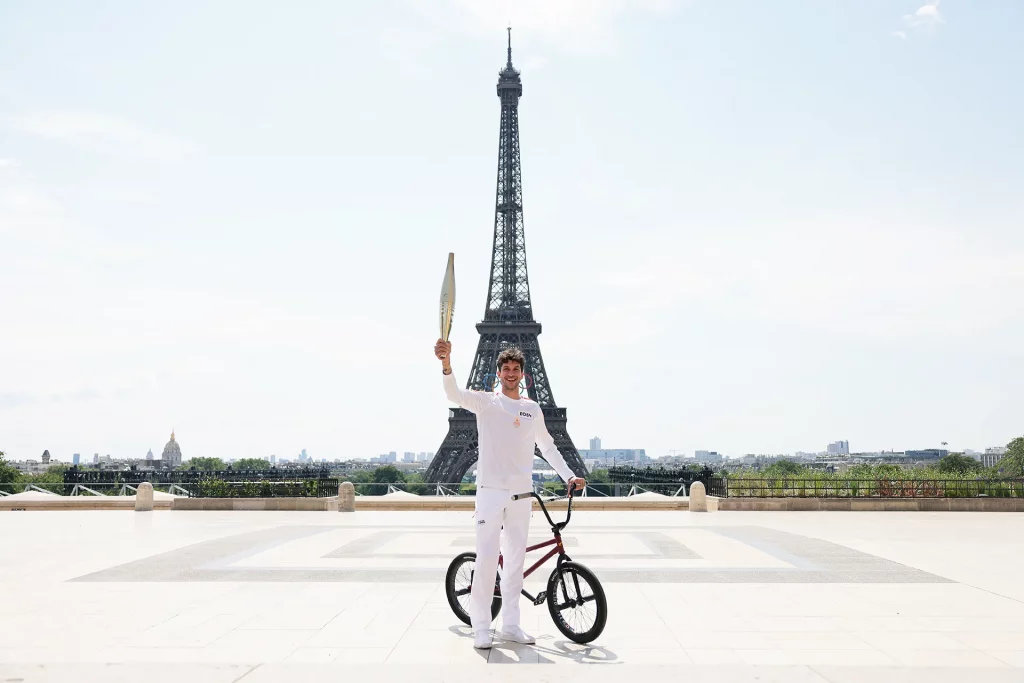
(547, 650)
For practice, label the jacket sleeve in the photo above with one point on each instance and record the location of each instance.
(475, 401)
(549, 451)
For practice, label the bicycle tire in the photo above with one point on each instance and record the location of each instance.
(450, 590)
(556, 592)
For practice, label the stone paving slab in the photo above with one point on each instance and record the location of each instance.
(225, 596)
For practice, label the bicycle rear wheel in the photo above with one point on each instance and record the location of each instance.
(459, 582)
(577, 602)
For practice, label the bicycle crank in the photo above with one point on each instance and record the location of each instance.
(539, 600)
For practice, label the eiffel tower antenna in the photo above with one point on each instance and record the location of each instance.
(508, 316)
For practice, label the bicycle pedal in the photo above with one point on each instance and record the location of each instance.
(541, 597)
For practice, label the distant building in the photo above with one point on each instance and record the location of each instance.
(46, 458)
(707, 457)
(927, 454)
(990, 459)
(95, 458)
(76, 458)
(273, 460)
(595, 444)
(149, 455)
(614, 456)
(992, 456)
(171, 457)
(408, 457)
(839, 448)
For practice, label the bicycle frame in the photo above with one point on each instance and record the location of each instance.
(559, 549)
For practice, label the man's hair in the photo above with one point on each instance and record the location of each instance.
(512, 355)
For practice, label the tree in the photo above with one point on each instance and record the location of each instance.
(956, 463)
(251, 464)
(360, 477)
(204, 464)
(414, 484)
(784, 468)
(9, 474)
(1012, 464)
(388, 474)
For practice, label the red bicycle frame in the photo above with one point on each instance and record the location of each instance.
(559, 549)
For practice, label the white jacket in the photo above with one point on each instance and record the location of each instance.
(508, 431)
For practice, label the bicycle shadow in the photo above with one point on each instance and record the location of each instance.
(547, 650)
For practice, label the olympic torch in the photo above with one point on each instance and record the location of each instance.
(448, 297)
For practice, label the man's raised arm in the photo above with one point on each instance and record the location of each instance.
(474, 401)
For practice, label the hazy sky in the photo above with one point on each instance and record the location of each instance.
(751, 226)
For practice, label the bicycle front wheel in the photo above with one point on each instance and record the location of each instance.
(458, 584)
(577, 602)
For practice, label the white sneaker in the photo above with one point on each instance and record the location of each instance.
(517, 635)
(482, 640)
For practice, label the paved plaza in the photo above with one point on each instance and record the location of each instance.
(318, 596)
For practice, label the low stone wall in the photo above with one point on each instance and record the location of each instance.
(875, 504)
(277, 504)
(467, 503)
(78, 503)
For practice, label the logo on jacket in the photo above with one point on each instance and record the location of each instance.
(523, 413)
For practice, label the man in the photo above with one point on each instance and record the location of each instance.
(509, 426)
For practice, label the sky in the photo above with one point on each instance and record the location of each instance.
(751, 227)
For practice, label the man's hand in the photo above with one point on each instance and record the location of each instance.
(577, 483)
(443, 350)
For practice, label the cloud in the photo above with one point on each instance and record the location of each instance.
(927, 15)
(106, 134)
(8, 163)
(900, 34)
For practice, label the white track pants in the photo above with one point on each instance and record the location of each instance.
(494, 508)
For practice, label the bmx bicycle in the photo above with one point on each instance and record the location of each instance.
(576, 600)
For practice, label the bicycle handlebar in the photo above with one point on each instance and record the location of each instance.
(544, 509)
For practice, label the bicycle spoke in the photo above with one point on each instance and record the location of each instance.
(574, 600)
(464, 577)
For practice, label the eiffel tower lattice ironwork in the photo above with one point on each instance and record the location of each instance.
(508, 319)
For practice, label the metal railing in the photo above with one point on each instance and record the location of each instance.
(93, 489)
(327, 487)
(667, 481)
(76, 475)
(715, 486)
(874, 488)
(605, 489)
(298, 488)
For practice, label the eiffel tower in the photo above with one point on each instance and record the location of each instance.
(508, 320)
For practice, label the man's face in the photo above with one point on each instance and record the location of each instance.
(510, 375)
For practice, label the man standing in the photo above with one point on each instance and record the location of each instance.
(509, 426)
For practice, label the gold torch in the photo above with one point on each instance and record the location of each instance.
(448, 298)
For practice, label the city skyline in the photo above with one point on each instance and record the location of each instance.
(400, 455)
(754, 236)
